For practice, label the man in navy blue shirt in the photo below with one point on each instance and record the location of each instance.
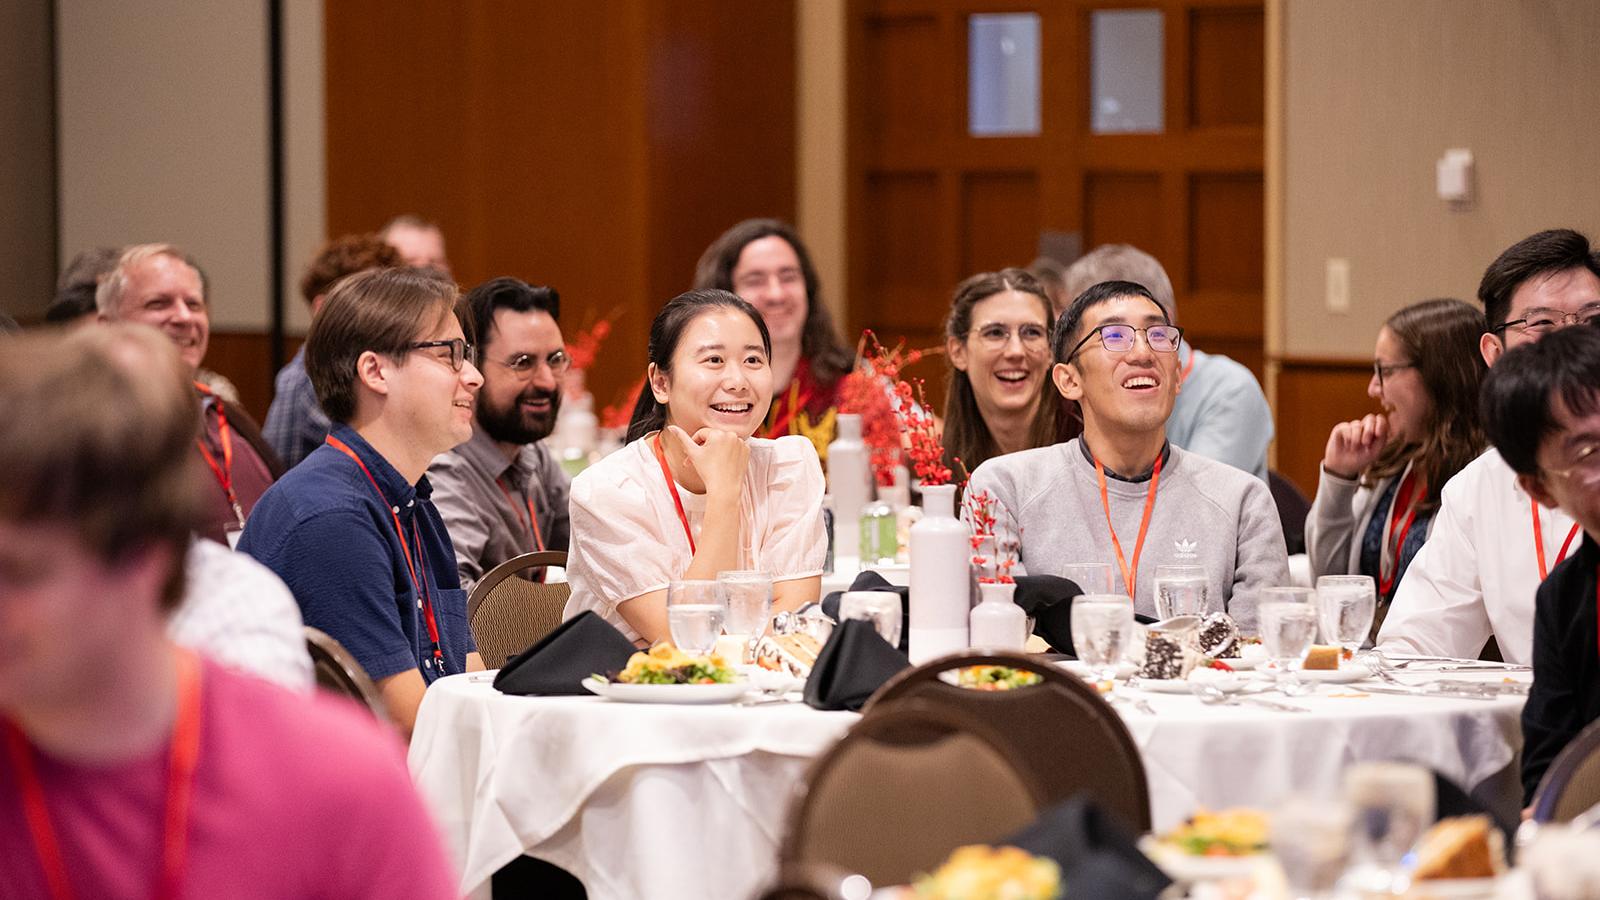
(352, 530)
(1541, 408)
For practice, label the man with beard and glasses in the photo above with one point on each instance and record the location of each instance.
(502, 493)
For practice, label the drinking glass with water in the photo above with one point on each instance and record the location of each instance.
(1181, 591)
(747, 596)
(1091, 578)
(1346, 604)
(1288, 629)
(695, 615)
(1102, 627)
(881, 608)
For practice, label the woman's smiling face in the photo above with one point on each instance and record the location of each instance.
(721, 376)
(1006, 352)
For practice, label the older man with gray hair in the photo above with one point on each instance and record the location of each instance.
(160, 286)
(1220, 412)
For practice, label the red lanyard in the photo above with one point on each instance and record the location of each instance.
(180, 789)
(1187, 368)
(1407, 497)
(672, 486)
(224, 472)
(421, 585)
(1538, 541)
(532, 523)
(1129, 573)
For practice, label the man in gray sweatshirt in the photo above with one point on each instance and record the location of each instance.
(1122, 494)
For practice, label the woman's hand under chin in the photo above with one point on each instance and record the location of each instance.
(718, 457)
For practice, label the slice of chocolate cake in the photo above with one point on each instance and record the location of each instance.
(1165, 657)
(1218, 636)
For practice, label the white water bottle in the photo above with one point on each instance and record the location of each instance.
(850, 483)
(941, 594)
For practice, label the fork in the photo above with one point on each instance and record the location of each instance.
(1138, 703)
(1211, 695)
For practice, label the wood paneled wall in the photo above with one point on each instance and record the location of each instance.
(1313, 396)
(594, 147)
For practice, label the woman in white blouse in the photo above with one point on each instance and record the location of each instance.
(693, 494)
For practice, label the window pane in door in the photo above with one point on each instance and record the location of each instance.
(1127, 71)
(1003, 74)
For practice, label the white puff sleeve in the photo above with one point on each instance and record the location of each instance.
(795, 542)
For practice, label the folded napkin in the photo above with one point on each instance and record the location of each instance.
(872, 581)
(584, 645)
(1098, 858)
(1048, 599)
(854, 663)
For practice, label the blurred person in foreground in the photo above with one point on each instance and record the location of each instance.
(133, 766)
(1541, 406)
(1220, 412)
(159, 285)
(1491, 542)
(296, 424)
(353, 530)
(419, 242)
(503, 493)
(1382, 474)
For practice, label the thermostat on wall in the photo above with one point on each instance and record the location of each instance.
(1454, 171)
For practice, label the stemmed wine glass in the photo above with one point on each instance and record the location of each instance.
(1102, 626)
(694, 615)
(747, 596)
(1346, 605)
(1288, 628)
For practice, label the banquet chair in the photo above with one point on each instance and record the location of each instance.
(1293, 508)
(808, 881)
(904, 788)
(508, 614)
(1061, 728)
(1572, 783)
(338, 672)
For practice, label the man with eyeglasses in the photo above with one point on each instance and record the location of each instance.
(352, 529)
(1122, 493)
(1541, 409)
(1221, 412)
(503, 493)
(1492, 543)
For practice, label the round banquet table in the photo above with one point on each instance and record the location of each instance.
(663, 801)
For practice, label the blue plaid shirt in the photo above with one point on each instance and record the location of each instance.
(296, 424)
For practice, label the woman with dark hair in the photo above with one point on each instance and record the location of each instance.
(764, 261)
(1000, 398)
(1381, 475)
(693, 493)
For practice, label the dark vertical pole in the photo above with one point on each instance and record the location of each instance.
(275, 217)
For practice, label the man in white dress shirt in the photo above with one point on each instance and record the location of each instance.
(1491, 544)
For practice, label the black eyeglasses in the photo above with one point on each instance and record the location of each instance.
(1381, 371)
(459, 350)
(523, 365)
(1119, 338)
(1544, 321)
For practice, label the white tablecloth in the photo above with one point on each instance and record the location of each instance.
(682, 801)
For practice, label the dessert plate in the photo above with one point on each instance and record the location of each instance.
(667, 693)
(1225, 684)
(1341, 675)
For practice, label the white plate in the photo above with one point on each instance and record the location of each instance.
(668, 693)
(770, 681)
(1181, 685)
(1186, 868)
(1341, 675)
(1078, 668)
(1239, 663)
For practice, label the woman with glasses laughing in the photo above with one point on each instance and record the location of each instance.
(1381, 474)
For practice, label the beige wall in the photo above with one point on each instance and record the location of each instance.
(820, 144)
(1375, 91)
(27, 159)
(305, 179)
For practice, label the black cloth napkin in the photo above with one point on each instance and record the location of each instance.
(872, 581)
(1097, 856)
(584, 645)
(854, 663)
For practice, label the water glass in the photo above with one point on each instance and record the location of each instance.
(1310, 836)
(1102, 627)
(1091, 578)
(881, 608)
(747, 596)
(880, 535)
(1181, 591)
(695, 615)
(1288, 629)
(1346, 605)
(1393, 804)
